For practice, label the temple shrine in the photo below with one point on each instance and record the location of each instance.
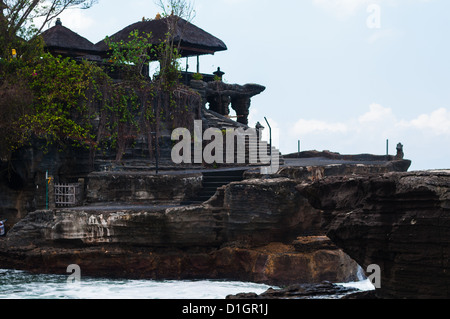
(192, 42)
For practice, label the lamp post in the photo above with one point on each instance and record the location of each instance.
(387, 147)
(156, 151)
(46, 190)
(270, 140)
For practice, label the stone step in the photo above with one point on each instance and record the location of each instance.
(219, 182)
(214, 179)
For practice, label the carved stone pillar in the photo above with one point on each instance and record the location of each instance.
(220, 95)
(241, 104)
(219, 103)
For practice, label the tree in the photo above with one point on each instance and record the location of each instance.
(173, 11)
(17, 18)
(51, 99)
(181, 8)
(18, 12)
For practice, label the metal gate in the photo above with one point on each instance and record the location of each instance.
(67, 194)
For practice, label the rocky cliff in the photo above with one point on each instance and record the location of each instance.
(399, 221)
(270, 229)
(262, 230)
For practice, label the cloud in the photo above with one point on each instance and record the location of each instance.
(376, 113)
(381, 119)
(424, 136)
(436, 123)
(377, 124)
(74, 19)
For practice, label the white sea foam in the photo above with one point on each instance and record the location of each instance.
(364, 285)
(16, 284)
(21, 285)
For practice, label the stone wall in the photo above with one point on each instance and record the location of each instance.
(141, 187)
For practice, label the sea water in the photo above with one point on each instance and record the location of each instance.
(363, 283)
(15, 284)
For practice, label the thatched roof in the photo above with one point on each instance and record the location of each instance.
(193, 40)
(62, 38)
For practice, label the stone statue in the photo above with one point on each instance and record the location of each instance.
(400, 154)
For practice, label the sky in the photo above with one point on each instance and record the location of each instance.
(340, 75)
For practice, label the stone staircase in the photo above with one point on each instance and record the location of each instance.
(215, 120)
(214, 179)
(137, 158)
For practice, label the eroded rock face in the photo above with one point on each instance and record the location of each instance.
(255, 212)
(399, 221)
(259, 209)
(170, 227)
(248, 231)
